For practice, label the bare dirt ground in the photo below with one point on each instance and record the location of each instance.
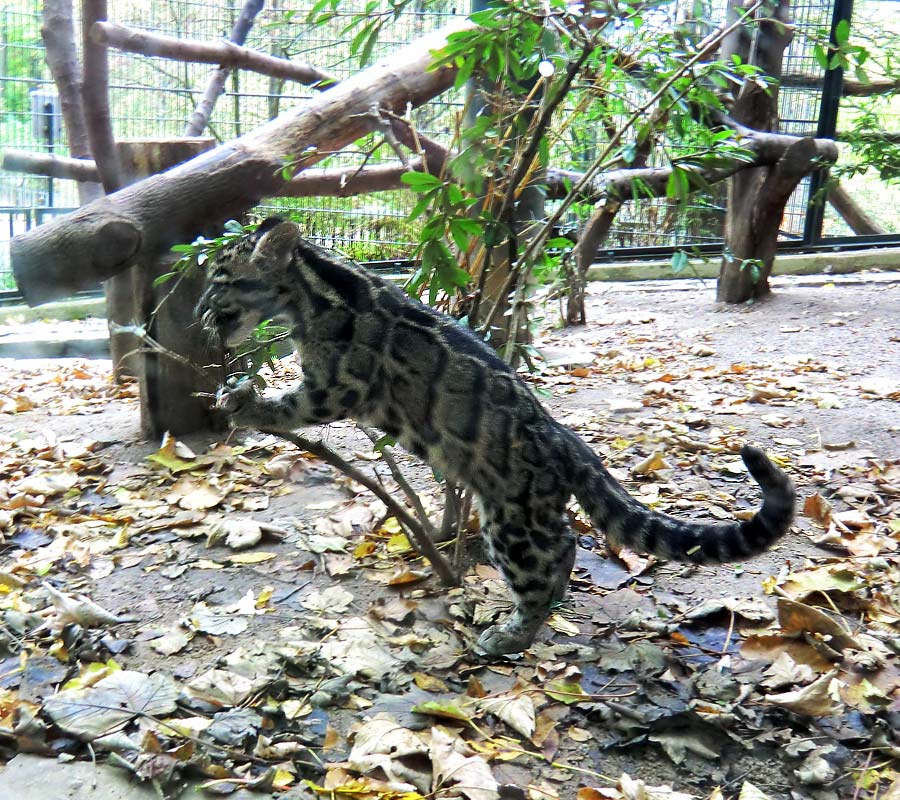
(275, 632)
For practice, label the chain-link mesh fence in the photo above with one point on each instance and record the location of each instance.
(153, 97)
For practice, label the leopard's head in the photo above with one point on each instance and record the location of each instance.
(247, 283)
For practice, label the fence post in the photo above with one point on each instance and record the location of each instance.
(829, 106)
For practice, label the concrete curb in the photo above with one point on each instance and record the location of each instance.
(838, 263)
(62, 310)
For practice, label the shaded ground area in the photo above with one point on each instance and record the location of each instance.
(260, 624)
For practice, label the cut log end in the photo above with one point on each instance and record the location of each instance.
(97, 246)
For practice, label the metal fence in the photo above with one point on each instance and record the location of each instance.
(154, 98)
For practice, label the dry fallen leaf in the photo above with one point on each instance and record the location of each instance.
(470, 775)
(516, 710)
(818, 509)
(80, 610)
(818, 699)
(111, 703)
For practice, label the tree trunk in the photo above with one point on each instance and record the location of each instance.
(95, 94)
(58, 34)
(140, 221)
(161, 348)
(756, 197)
(755, 210)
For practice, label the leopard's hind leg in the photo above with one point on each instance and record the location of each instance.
(536, 562)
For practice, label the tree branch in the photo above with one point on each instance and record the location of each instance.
(95, 93)
(860, 222)
(349, 181)
(200, 117)
(76, 169)
(851, 87)
(140, 221)
(417, 536)
(399, 478)
(222, 53)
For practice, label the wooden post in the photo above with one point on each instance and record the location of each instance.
(172, 361)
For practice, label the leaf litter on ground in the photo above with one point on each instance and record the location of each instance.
(323, 655)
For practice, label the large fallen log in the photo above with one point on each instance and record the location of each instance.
(99, 240)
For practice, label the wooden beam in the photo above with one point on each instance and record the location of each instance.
(141, 221)
(223, 53)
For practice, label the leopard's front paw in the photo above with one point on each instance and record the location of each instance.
(239, 399)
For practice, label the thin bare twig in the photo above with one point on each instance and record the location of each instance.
(417, 536)
(400, 480)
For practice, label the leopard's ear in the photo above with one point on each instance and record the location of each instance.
(274, 249)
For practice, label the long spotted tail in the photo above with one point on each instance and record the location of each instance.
(626, 521)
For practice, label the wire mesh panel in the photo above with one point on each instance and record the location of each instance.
(153, 97)
(876, 24)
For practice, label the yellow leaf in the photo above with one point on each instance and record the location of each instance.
(265, 594)
(205, 563)
(391, 525)
(579, 734)
(398, 543)
(567, 692)
(406, 575)
(120, 540)
(292, 709)
(444, 710)
(91, 674)
(282, 779)
(650, 465)
(561, 625)
(256, 557)
(364, 549)
(170, 454)
(429, 682)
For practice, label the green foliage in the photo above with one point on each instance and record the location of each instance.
(201, 250)
(638, 91)
(261, 349)
(438, 267)
(841, 53)
(365, 26)
(869, 144)
(871, 147)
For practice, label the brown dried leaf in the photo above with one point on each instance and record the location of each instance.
(818, 509)
(819, 699)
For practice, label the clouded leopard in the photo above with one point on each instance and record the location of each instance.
(370, 352)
